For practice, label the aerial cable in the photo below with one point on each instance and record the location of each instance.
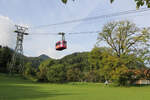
(88, 32)
(44, 33)
(67, 33)
(96, 17)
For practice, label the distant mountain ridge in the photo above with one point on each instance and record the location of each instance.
(43, 57)
(74, 59)
(37, 60)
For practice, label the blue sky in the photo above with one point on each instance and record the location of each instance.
(42, 12)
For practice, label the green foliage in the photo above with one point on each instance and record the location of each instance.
(56, 74)
(96, 55)
(120, 77)
(97, 66)
(93, 76)
(35, 61)
(43, 69)
(74, 75)
(64, 1)
(29, 70)
(69, 68)
(124, 37)
(78, 60)
(139, 3)
(5, 58)
(111, 1)
(114, 68)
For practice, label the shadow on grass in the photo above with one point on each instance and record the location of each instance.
(141, 85)
(17, 92)
(15, 88)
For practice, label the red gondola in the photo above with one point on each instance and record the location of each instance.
(61, 45)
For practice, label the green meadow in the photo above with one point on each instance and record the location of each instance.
(15, 88)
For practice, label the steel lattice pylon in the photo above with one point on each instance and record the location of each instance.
(18, 53)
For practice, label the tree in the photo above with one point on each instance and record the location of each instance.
(29, 70)
(74, 75)
(43, 69)
(5, 58)
(124, 37)
(96, 55)
(56, 74)
(65, 1)
(92, 76)
(144, 52)
(139, 3)
(114, 68)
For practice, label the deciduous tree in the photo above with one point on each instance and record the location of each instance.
(124, 37)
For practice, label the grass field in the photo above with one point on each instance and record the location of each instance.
(19, 89)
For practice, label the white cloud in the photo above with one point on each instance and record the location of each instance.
(7, 36)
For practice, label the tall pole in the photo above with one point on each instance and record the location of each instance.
(17, 62)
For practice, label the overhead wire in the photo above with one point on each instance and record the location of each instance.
(47, 33)
(68, 33)
(95, 18)
(87, 19)
(86, 32)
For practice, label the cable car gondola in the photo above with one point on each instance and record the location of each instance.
(61, 45)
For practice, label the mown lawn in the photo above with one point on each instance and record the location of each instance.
(19, 89)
